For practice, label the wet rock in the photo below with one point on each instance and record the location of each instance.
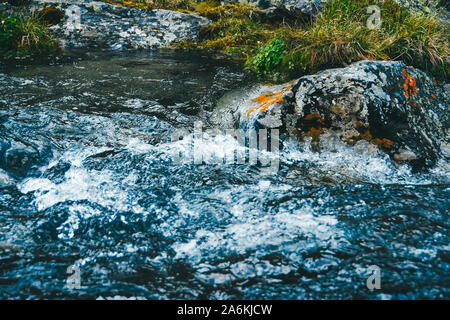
(101, 25)
(405, 155)
(397, 108)
(4, 179)
(17, 158)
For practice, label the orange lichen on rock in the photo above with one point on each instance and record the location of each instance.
(432, 98)
(313, 132)
(359, 124)
(315, 116)
(351, 140)
(410, 85)
(387, 143)
(352, 136)
(366, 135)
(382, 143)
(312, 126)
(266, 100)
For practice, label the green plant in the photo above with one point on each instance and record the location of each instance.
(268, 57)
(22, 36)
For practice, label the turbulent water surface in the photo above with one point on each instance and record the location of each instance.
(88, 178)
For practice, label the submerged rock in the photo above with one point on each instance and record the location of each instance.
(102, 25)
(17, 158)
(398, 108)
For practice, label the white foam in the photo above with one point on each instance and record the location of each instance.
(356, 164)
(104, 187)
(251, 227)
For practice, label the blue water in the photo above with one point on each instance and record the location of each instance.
(88, 179)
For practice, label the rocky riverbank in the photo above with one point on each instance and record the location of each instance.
(93, 24)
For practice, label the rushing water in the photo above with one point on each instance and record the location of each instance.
(88, 178)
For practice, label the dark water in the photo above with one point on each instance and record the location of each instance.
(88, 178)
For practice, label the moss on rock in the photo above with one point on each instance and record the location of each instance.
(50, 16)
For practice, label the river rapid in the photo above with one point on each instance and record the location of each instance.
(88, 179)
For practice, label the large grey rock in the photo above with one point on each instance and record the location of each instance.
(397, 108)
(97, 24)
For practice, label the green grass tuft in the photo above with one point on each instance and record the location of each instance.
(25, 36)
(340, 36)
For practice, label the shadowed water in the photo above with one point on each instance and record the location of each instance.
(88, 178)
